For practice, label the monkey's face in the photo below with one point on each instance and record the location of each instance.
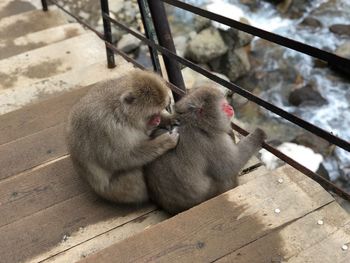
(205, 108)
(144, 110)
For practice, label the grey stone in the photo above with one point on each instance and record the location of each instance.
(128, 43)
(206, 46)
(307, 95)
(340, 29)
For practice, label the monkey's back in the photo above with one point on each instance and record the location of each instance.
(177, 180)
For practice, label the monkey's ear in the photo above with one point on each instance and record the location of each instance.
(128, 98)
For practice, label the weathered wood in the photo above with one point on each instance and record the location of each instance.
(223, 224)
(328, 250)
(100, 242)
(31, 192)
(30, 151)
(298, 240)
(252, 175)
(62, 226)
(34, 118)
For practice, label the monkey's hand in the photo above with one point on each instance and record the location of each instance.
(168, 140)
(259, 135)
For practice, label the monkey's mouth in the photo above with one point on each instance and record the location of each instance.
(154, 120)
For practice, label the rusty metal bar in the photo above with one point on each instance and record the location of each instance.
(150, 34)
(107, 33)
(165, 39)
(44, 5)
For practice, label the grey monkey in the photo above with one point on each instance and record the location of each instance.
(206, 161)
(108, 135)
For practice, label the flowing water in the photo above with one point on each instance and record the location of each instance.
(333, 116)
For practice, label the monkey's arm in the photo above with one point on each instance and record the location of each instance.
(167, 120)
(139, 155)
(234, 157)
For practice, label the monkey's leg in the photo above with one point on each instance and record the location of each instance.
(127, 187)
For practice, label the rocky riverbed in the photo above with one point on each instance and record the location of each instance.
(298, 83)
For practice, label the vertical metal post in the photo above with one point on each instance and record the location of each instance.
(150, 34)
(107, 33)
(165, 39)
(44, 4)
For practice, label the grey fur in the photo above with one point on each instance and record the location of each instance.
(108, 135)
(206, 161)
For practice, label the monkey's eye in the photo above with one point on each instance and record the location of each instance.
(129, 99)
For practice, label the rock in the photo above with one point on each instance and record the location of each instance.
(252, 4)
(206, 46)
(201, 23)
(322, 171)
(303, 155)
(180, 45)
(128, 43)
(235, 38)
(194, 80)
(307, 95)
(311, 22)
(340, 29)
(314, 142)
(344, 50)
(292, 8)
(116, 6)
(231, 65)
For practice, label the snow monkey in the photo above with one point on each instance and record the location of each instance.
(108, 135)
(206, 161)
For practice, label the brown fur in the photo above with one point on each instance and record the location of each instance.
(206, 161)
(108, 135)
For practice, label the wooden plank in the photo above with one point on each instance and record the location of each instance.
(223, 224)
(31, 192)
(100, 242)
(33, 118)
(328, 250)
(253, 175)
(294, 242)
(63, 226)
(30, 151)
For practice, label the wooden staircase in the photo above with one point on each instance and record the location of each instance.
(47, 213)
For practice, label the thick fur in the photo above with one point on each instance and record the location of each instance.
(206, 161)
(108, 135)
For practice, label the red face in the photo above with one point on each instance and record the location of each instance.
(227, 108)
(154, 121)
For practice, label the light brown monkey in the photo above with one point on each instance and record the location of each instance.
(206, 161)
(108, 134)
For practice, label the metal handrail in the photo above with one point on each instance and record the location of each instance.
(180, 91)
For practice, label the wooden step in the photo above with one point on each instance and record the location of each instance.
(32, 21)
(229, 227)
(50, 112)
(11, 7)
(38, 39)
(52, 69)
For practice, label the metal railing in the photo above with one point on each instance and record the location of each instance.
(157, 30)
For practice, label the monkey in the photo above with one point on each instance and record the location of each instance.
(108, 134)
(206, 161)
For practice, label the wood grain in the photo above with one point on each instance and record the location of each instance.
(34, 118)
(30, 151)
(31, 192)
(297, 241)
(64, 225)
(100, 242)
(223, 224)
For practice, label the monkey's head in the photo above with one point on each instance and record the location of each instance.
(205, 108)
(145, 98)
